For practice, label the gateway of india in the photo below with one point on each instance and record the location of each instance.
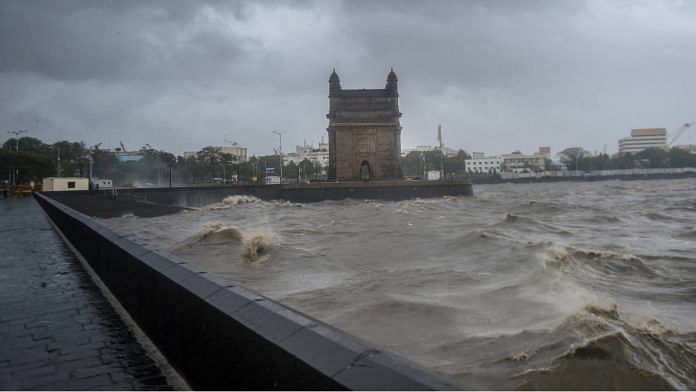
(364, 132)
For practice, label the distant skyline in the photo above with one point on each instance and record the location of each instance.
(498, 75)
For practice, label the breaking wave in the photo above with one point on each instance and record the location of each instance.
(231, 201)
(613, 353)
(217, 229)
(570, 258)
(258, 243)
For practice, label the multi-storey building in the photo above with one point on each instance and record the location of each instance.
(482, 164)
(316, 155)
(521, 163)
(642, 139)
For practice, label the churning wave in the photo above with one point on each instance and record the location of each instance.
(614, 353)
(256, 244)
(231, 201)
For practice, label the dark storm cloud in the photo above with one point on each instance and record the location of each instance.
(106, 40)
(499, 75)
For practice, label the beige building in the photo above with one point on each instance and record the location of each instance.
(52, 184)
(642, 139)
(521, 163)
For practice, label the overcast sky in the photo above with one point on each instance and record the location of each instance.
(498, 75)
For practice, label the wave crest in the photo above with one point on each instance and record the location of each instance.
(231, 201)
(257, 244)
(615, 354)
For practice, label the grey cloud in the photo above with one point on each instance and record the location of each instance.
(500, 75)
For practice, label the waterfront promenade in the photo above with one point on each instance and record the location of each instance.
(57, 331)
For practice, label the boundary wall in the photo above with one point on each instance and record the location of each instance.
(219, 335)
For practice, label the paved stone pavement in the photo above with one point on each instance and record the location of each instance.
(57, 331)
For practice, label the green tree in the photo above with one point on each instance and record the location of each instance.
(654, 158)
(571, 157)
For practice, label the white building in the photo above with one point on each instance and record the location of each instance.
(482, 164)
(642, 139)
(101, 183)
(51, 184)
(319, 154)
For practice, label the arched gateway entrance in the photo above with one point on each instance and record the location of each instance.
(365, 171)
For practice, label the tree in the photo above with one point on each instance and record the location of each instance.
(457, 163)
(412, 164)
(654, 158)
(681, 158)
(572, 156)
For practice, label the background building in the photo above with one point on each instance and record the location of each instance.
(316, 155)
(481, 164)
(642, 139)
(523, 163)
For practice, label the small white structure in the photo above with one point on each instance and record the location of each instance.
(52, 184)
(272, 179)
(101, 183)
(433, 175)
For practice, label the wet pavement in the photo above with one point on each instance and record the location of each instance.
(57, 331)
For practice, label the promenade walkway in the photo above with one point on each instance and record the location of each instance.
(57, 331)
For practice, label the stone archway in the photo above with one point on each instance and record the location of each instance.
(365, 171)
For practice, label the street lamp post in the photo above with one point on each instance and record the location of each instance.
(14, 169)
(17, 133)
(280, 152)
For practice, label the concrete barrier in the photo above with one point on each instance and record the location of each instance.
(219, 335)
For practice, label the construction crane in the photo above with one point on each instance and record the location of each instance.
(123, 148)
(679, 132)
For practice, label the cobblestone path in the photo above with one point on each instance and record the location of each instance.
(57, 331)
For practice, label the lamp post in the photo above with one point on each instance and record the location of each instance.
(280, 152)
(17, 133)
(14, 169)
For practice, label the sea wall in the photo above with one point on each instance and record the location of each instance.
(219, 335)
(303, 193)
(162, 201)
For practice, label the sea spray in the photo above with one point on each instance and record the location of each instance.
(231, 201)
(238, 199)
(208, 229)
(257, 244)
